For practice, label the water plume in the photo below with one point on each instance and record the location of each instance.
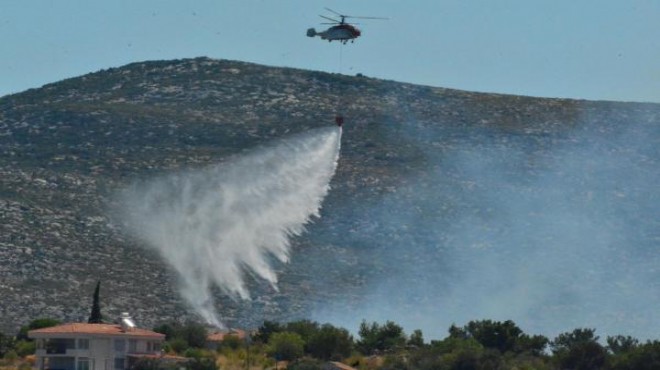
(215, 224)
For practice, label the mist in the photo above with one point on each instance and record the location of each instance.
(216, 225)
(554, 232)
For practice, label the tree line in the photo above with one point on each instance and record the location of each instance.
(305, 344)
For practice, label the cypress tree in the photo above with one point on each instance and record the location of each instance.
(95, 317)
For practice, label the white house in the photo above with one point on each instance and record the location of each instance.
(94, 346)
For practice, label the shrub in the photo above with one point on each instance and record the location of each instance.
(285, 346)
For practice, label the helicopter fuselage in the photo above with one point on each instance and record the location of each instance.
(340, 32)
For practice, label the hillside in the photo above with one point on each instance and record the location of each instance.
(406, 182)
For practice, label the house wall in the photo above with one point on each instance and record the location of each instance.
(100, 351)
(103, 353)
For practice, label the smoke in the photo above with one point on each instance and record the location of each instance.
(215, 224)
(554, 232)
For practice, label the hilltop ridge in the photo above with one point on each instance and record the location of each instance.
(68, 146)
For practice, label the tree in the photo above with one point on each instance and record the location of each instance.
(458, 333)
(416, 338)
(374, 337)
(498, 335)
(566, 341)
(330, 343)
(503, 336)
(641, 357)
(181, 337)
(305, 328)
(535, 344)
(169, 329)
(621, 344)
(6, 344)
(35, 324)
(178, 344)
(95, 317)
(266, 330)
(579, 350)
(285, 346)
(194, 334)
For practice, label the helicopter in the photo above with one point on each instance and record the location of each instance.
(341, 30)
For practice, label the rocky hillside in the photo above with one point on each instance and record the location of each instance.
(66, 147)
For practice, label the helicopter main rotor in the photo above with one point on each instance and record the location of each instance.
(344, 16)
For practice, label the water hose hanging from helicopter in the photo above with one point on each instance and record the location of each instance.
(339, 118)
(339, 31)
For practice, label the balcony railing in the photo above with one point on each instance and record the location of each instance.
(56, 350)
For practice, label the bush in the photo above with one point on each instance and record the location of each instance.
(11, 356)
(285, 346)
(305, 364)
(194, 353)
(178, 345)
(201, 364)
(25, 348)
(146, 364)
(233, 342)
(330, 343)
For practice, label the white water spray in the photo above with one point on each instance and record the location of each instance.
(215, 224)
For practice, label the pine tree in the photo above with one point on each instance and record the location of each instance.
(95, 317)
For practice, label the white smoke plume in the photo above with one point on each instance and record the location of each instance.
(555, 232)
(215, 224)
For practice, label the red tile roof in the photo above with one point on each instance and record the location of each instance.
(103, 329)
(219, 336)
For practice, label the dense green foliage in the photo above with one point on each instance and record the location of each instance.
(501, 336)
(146, 364)
(330, 343)
(375, 338)
(35, 324)
(286, 346)
(6, 344)
(180, 337)
(325, 342)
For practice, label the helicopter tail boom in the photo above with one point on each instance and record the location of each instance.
(311, 32)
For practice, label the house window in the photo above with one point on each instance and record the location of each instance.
(132, 345)
(83, 343)
(120, 345)
(119, 363)
(59, 346)
(153, 346)
(83, 363)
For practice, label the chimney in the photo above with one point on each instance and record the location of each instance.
(126, 322)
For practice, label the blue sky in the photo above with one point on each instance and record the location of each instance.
(588, 49)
